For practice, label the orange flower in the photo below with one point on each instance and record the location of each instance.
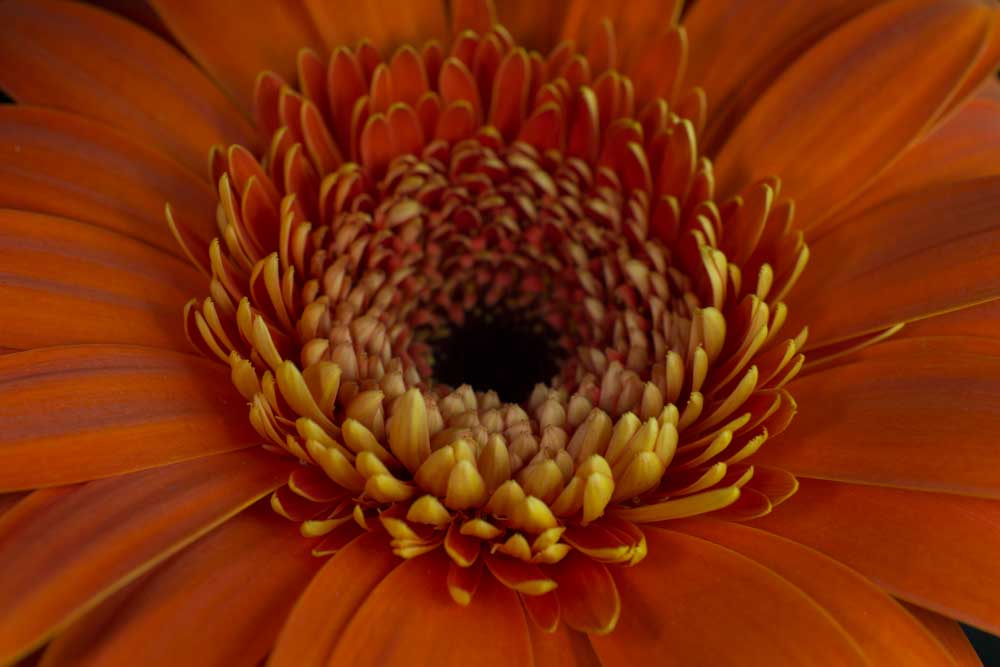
(517, 305)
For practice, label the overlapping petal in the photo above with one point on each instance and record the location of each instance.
(234, 45)
(934, 550)
(101, 535)
(924, 253)
(885, 632)
(72, 414)
(726, 608)
(69, 56)
(249, 571)
(63, 164)
(838, 116)
(67, 282)
(919, 413)
(430, 628)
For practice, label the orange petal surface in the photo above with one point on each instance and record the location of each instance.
(104, 534)
(73, 414)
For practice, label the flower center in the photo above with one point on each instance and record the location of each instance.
(499, 350)
(489, 302)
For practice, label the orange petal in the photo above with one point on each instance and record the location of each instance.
(949, 633)
(9, 500)
(249, 572)
(410, 619)
(62, 164)
(73, 414)
(69, 282)
(921, 414)
(100, 536)
(964, 148)
(563, 648)
(387, 23)
(917, 255)
(981, 320)
(982, 70)
(588, 599)
(738, 49)
(635, 23)
(932, 549)
(886, 633)
(751, 617)
(850, 105)
(234, 46)
(476, 15)
(535, 25)
(331, 599)
(73, 57)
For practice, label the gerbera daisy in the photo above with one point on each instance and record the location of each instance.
(433, 333)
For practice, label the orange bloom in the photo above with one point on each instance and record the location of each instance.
(506, 349)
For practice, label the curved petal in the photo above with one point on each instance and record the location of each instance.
(932, 549)
(535, 25)
(982, 320)
(74, 414)
(886, 633)
(236, 43)
(332, 598)
(410, 619)
(965, 148)
(738, 49)
(67, 282)
(949, 633)
(563, 648)
(733, 612)
(248, 572)
(99, 536)
(850, 105)
(386, 23)
(77, 58)
(925, 253)
(637, 25)
(63, 164)
(919, 413)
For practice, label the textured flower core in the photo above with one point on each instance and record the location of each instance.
(399, 200)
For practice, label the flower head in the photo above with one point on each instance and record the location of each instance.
(500, 324)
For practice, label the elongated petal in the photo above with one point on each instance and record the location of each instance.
(387, 23)
(63, 164)
(917, 255)
(234, 45)
(563, 648)
(100, 536)
(535, 25)
(73, 414)
(77, 58)
(964, 148)
(851, 104)
(410, 619)
(886, 633)
(980, 320)
(921, 413)
(764, 619)
(248, 572)
(949, 633)
(885, 535)
(67, 282)
(738, 49)
(330, 601)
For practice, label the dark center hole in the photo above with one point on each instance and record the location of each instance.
(500, 351)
